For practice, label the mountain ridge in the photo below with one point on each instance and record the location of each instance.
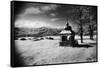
(42, 31)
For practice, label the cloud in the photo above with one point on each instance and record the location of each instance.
(32, 10)
(49, 7)
(45, 8)
(53, 14)
(54, 19)
(54, 6)
(36, 10)
(39, 9)
(31, 24)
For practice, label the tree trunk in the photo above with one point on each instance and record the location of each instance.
(81, 33)
(81, 27)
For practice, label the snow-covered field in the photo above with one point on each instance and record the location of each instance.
(47, 51)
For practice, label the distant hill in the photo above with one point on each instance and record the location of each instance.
(42, 31)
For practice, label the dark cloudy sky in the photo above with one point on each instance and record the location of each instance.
(35, 15)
